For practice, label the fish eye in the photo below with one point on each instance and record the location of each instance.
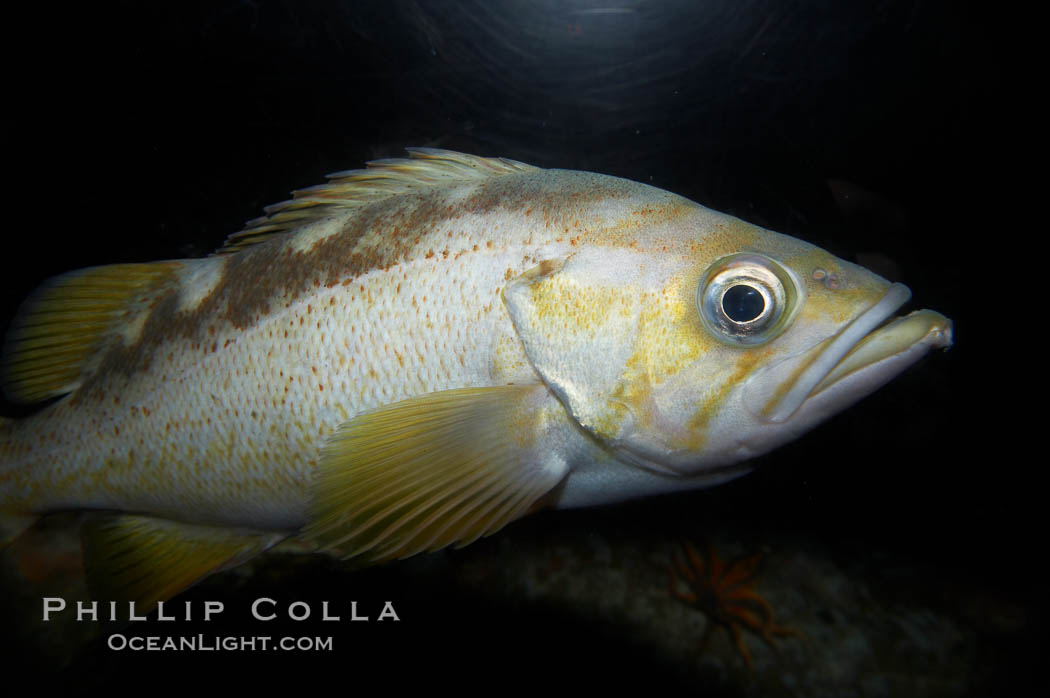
(746, 298)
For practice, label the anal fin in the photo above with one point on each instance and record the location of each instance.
(146, 560)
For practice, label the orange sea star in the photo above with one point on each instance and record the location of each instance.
(724, 592)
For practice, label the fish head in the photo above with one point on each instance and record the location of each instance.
(705, 341)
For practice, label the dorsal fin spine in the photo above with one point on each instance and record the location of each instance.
(423, 169)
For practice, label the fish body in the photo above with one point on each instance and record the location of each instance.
(415, 354)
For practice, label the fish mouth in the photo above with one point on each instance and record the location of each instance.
(870, 350)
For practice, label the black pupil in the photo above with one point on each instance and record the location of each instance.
(743, 303)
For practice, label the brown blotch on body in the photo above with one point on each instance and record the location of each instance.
(273, 272)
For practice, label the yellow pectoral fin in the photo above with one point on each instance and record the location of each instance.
(146, 560)
(436, 470)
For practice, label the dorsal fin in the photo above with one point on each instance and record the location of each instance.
(381, 179)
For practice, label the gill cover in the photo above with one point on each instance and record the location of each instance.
(577, 318)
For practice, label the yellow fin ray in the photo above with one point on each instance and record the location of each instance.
(69, 319)
(444, 513)
(392, 495)
(471, 524)
(146, 560)
(432, 471)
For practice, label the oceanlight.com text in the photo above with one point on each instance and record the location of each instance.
(217, 643)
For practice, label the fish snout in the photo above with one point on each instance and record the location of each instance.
(872, 348)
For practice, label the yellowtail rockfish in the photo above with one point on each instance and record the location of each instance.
(412, 355)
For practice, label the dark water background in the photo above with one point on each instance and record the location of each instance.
(141, 131)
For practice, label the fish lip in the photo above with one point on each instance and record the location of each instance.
(867, 340)
(927, 329)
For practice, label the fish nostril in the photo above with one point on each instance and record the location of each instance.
(831, 280)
